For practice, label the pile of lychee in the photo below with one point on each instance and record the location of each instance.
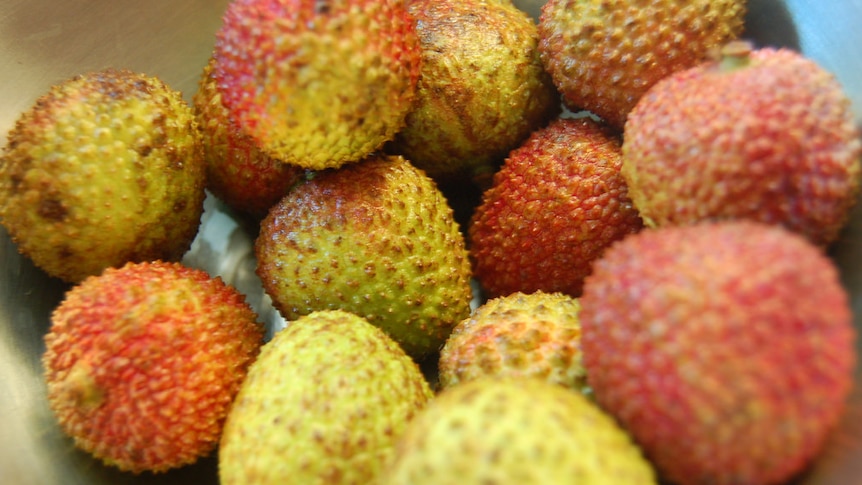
(589, 248)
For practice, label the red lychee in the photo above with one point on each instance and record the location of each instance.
(725, 348)
(143, 362)
(238, 172)
(554, 206)
(763, 134)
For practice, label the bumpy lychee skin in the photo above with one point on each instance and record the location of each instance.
(482, 89)
(604, 54)
(515, 431)
(105, 168)
(318, 83)
(143, 362)
(324, 403)
(725, 348)
(376, 238)
(536, 335)
(761, 134)
(238, 172)
(553, 207)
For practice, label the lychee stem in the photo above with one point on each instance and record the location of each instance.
(735, 55)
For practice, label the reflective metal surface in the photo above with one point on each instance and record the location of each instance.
(45, 41)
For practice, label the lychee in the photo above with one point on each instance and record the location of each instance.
(324, 403)
(763, 134)
(318, 83)
(376, 238)
(535, 335)
(143, 362)
(238, 172)
(105, 168)
(553, 207)
(515, 431)
(482, 88)
(604, 54)
(725, 348)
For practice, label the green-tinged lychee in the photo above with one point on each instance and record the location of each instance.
(604, 54)
(725, 348)
(323, 404)
(536, 335)
(375, 238)
(763, 134)
(553, 207)
(318, 83)
(105, 168)
(238, 172)
(515, 431)
(143, 362)
(482, 88)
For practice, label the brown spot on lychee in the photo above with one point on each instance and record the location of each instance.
(80, 388)
(52, 209)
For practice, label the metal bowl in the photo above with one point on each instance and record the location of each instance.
(43, 42)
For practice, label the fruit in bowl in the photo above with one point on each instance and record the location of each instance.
(174, 41)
